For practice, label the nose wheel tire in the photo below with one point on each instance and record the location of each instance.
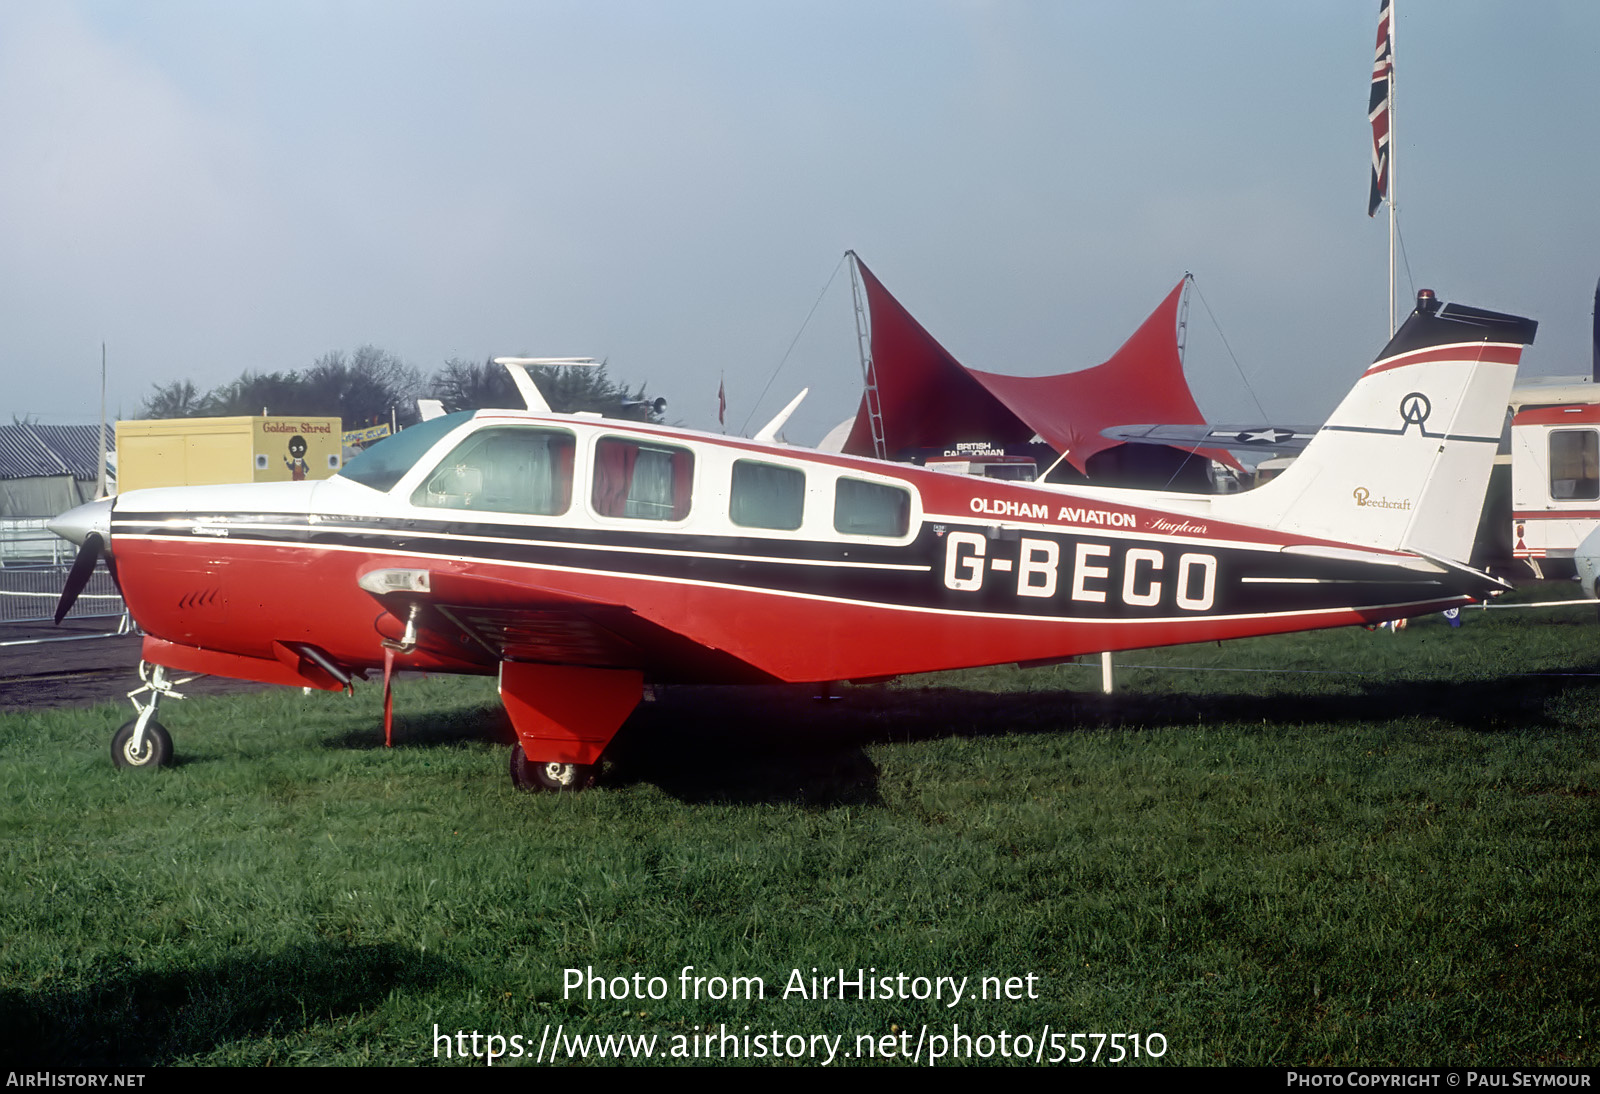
(551, 775)
(154, 751)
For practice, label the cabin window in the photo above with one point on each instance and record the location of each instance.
(640, 480)
(765, 495)
(871, 509)
(504, 470)
(1575, 465)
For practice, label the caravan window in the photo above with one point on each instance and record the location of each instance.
(1575, 465)
(642, 480)
(511, 469)
(863, 508)
(764, 495)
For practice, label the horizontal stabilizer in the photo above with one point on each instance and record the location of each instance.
(1238, 438)
(1492, 585)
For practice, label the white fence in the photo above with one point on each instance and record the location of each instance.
(26, 541)
(28, 594)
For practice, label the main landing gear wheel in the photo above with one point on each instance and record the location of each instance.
(155, 751)
(530, 775)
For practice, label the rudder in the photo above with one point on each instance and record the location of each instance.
(1403, 462)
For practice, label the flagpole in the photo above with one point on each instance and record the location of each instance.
(100, 484)
(1380, 113)
(1393, 148)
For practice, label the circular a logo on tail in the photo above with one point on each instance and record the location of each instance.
(1414, 410)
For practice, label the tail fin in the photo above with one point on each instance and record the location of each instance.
(1403, 463)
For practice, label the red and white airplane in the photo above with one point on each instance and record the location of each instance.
(578, 558)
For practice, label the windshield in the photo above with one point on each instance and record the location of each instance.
(386, 462)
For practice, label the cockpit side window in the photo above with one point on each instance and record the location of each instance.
(508, 469)
(387, 462)
(642, 480)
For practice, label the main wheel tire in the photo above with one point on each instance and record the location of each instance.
(156, 750)
(530, 775)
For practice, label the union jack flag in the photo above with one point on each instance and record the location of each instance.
(1378, 109)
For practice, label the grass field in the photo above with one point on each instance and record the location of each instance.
(1380, 852)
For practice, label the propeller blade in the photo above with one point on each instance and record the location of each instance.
(78, 576)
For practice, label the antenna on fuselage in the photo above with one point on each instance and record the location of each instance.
(518, 367)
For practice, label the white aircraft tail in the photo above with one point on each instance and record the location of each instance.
(1403, 463)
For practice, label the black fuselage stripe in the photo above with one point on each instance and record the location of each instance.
(932, 573)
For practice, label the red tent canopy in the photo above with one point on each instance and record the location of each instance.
(929, 399)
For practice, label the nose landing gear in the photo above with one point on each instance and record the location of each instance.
(144, 743)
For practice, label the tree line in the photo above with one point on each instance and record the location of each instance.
(371, 386)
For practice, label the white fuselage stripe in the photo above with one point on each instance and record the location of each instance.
(522, 542)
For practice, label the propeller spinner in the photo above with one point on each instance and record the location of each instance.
(89, 526)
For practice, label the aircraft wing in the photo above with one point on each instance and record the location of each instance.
(474, 618)
(1240, 438)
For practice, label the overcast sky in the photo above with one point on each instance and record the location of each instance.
(213, 187)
